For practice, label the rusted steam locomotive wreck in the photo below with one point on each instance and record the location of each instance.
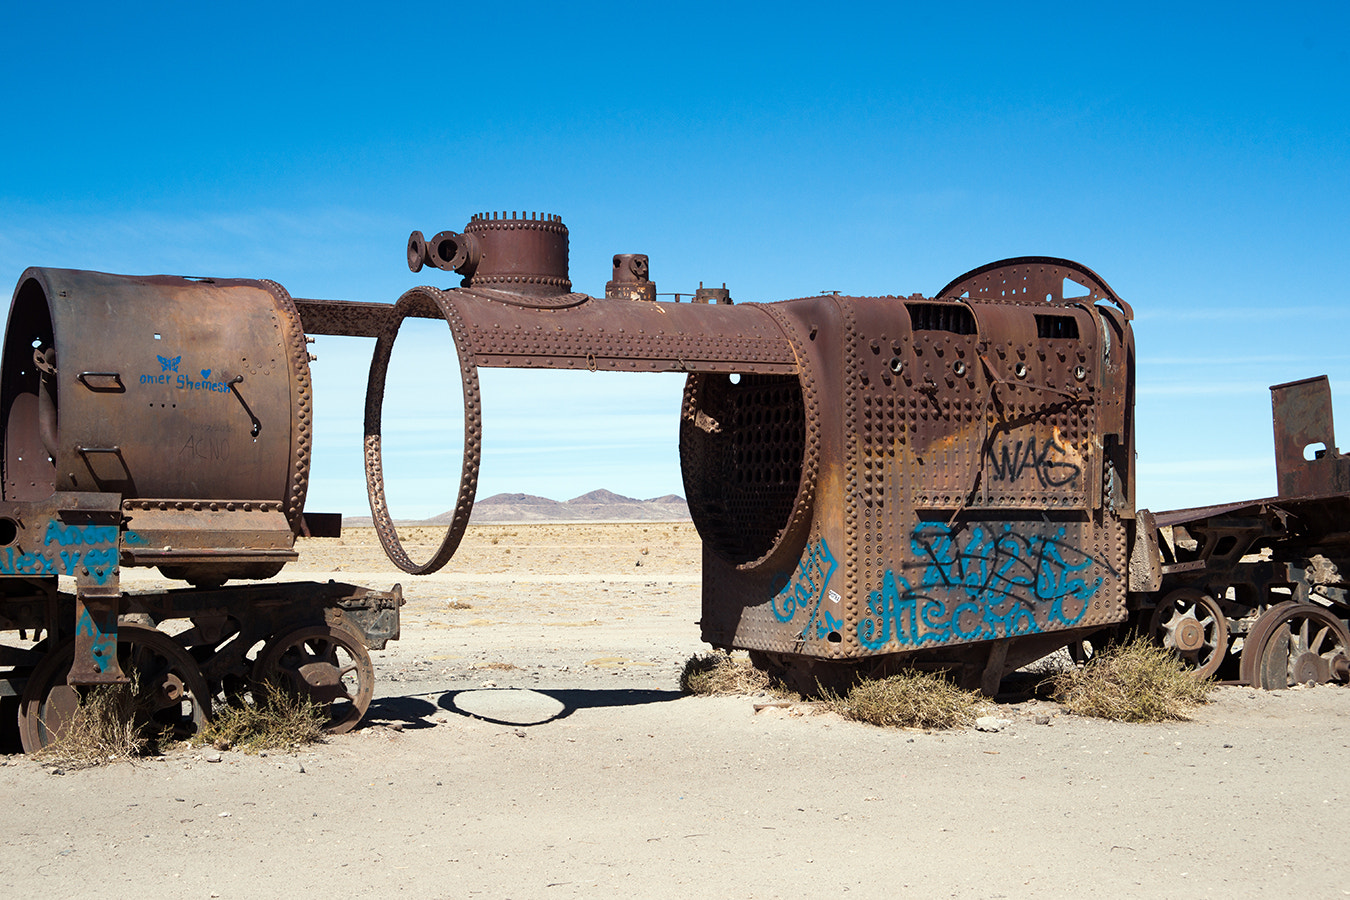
(943, 482)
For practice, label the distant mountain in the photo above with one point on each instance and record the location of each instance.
(597, 506)
(601, 496)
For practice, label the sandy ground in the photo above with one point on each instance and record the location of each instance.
(528, 739)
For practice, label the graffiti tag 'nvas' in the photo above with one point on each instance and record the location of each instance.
(992, 583)
(806, 589)
(1050, 463)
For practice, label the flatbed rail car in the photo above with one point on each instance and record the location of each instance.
(1256, 591)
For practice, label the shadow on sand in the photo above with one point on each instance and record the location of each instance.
(506, 706)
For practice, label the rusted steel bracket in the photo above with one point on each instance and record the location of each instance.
(84, 536)
(96, 641)
(1145, 559)
(98, 593)
(1306, 459)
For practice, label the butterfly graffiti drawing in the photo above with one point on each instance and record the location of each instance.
(169, 365)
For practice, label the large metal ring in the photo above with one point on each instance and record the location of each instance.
(420, 298)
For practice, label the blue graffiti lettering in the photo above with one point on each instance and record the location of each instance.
(66, 535)
(1004, 565)
(35, 564)
(805, 590)
(91, 547)
(989, 584)
(25, 563)
(184, 383)
(168, 374)
(103, 645)
(100, 563)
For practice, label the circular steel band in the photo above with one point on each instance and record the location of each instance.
(473, 436)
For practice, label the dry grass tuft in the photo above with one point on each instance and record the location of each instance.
(712, 674)
(102, 729)
(908, 700)
(272, 719)
(1134, 682)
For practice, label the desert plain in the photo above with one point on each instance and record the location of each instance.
(528, 738)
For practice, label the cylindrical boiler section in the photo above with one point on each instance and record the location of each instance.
(190, 398)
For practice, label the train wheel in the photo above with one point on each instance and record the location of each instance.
(1191, 624)
(170, 693)
(1296, 643)
(329, 666)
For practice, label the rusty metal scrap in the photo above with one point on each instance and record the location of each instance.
(847, 460)
(165, 422)
(1267, 571)
(942, 481)
(1307, 463)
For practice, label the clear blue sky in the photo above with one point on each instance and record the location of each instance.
(1198, 158)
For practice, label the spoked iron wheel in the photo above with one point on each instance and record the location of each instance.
(167, 694)
(1296, 643)
(1191, 624)
(330, 666)
(230, 665)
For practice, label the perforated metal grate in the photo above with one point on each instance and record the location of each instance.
(741, 449)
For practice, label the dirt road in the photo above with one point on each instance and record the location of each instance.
(528, 740)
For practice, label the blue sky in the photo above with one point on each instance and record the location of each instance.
(1197, 157)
